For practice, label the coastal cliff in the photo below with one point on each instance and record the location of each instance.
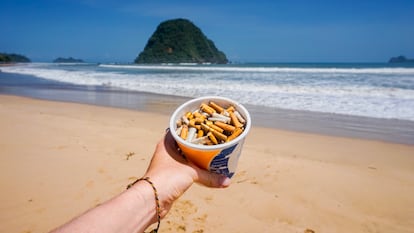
(180, 41)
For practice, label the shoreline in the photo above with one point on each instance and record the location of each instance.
(388, 130)
(59, 159)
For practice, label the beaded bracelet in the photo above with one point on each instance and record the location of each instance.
(157, 201)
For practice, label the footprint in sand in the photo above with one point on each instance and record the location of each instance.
(103, 171)
(90, 184)
(242, 177)
(201, 219)
(40, 210)
(208, 199)
(185, 217)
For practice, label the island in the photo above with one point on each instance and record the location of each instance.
(67, 60)
(180, 41)
(400, 59)
(13, 58)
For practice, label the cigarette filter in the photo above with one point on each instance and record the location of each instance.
(184, 132)
(216, 107)
(212, 138)
(236, 133)
(207, 109)
(225, 126)
(235, 121)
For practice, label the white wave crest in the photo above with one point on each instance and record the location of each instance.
(265, 69)
(345, 95)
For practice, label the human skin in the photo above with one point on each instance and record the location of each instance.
(134, 210)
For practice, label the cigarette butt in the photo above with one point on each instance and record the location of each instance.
(200, 133)
(241, 119)
(201, 140)
(219, 135)
(225, 113)
(185, 120)
(184, 132)
(236, 133)
(226, 119)
(212, 138)
(192, 123)
(197, 114)
(225, 126)
(216, 128)
(230, 109)
(216, 107)
(216, 133)
(189, 115)
(178, 130)
(205, 114)
(235, 121)
(205, 127)
(179, 123)
(191, 134)
(211, 125)
(207, 109)
(217, 119)
(199, 120)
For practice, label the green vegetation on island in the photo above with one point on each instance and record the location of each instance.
(400, 59)
(67, 60)
(180, 41)
(12, 58)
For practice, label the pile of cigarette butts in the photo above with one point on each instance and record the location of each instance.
(211, 124)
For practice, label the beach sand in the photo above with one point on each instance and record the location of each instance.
(59, 159)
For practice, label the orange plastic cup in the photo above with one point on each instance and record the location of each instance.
(220, 158)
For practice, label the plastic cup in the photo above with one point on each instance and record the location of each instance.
(220, 158)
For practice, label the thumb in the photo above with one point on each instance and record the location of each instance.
(212, 180)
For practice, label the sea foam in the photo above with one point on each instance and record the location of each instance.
(372, 92)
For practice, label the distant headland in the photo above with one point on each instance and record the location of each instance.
(400, 59)
(13, 58)
(180, 41)
(67, 60)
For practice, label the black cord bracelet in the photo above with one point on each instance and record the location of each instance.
(157, 201)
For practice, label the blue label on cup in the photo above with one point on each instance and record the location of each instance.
(220, 163)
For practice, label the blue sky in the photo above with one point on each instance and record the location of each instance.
(246, 31)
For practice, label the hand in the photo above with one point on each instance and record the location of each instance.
(133, 210)
(172, 174)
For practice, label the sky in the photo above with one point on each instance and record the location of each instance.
(246, 31)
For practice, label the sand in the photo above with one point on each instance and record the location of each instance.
(59, 159)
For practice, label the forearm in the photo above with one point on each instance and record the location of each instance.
(135, 209)
(131, 211)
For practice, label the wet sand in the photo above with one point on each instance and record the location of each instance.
(388, 130)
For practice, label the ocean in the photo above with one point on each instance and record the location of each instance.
(368, 92)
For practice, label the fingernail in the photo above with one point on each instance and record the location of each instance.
(225, 181)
